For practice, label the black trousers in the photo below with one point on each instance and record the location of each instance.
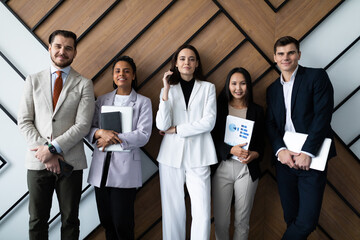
(301, 193)
(42, 185)
(115, 208)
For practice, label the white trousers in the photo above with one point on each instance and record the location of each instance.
(172, 182)
(232, 176)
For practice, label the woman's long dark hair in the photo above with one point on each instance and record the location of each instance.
(198, 74)
(226, 96)
(133, 66)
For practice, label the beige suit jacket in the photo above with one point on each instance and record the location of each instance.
(68, 123)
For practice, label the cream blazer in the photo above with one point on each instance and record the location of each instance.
(67, 124)
(193, 124)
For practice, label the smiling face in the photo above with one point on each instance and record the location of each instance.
(123, 75)
(287, 58)
(186, 63)
(237, 86)
(62, 51)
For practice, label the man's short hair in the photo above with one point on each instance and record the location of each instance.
(64, 33)
(285, 41)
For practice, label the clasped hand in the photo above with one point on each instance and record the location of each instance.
(245, 156)
(50, 160)
(106, 138)
(295, 160)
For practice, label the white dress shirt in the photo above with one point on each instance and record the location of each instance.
(287, 89)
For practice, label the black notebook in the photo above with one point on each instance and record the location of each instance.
(65, 168)
(111, 121)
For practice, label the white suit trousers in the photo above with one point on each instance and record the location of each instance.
(232, 177)
(172, 182)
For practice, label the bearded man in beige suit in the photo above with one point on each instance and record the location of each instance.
(55, 114)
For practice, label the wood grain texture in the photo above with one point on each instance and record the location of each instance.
(214, 42)
(31, 11)
(304, 15)
(147, 206)
(112, 34)
(246, 57)
(173, 29)
(76, 16)
(343, 173)
(256, 18)
(337, 218)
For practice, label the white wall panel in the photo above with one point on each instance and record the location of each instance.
(20, 46)
(332, 36)
(356, 148)
(10, 82)
(346, 119)
(345, 73)
(12, 179)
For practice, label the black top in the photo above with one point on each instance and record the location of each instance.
(187, 87)
(257, 142)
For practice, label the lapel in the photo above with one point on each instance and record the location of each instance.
(45, 86)
(194, 91)
(296, 86)
(179, 95)
(71, 81)
(280, 102)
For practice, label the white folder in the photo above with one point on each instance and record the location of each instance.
(237, 131)
(126, 124)
(294, 142)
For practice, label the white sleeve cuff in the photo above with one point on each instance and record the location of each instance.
(57, 146)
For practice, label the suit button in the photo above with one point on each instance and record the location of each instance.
(48, 137)
(53, 120)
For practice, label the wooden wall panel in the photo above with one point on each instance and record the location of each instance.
(147, 206)
(216, 41)
(173, 29)
(256, 18)
(347, 184)
(337, 218)
(112, 34)
(276, 3)
(222, 46)
(304, 15)
(260, 88)
(80, 15)
(166, 35)
(31, 11)
(246, 57)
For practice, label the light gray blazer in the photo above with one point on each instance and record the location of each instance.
(67, 124)
(193, 125)
(125, 167)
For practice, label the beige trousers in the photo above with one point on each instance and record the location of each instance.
(231, 177)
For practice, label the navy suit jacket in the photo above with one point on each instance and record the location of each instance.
(312, 103)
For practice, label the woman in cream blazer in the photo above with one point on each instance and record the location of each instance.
(186, 116)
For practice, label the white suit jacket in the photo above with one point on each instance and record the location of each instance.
(67, 124)
(193, 125)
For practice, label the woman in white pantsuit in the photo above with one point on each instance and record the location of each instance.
(186, 116)
(238, 177)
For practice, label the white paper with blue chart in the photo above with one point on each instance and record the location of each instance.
(237, 131)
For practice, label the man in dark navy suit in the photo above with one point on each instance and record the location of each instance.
(302, 101)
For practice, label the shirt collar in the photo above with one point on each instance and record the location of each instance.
(292, 78)
(65, 70)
